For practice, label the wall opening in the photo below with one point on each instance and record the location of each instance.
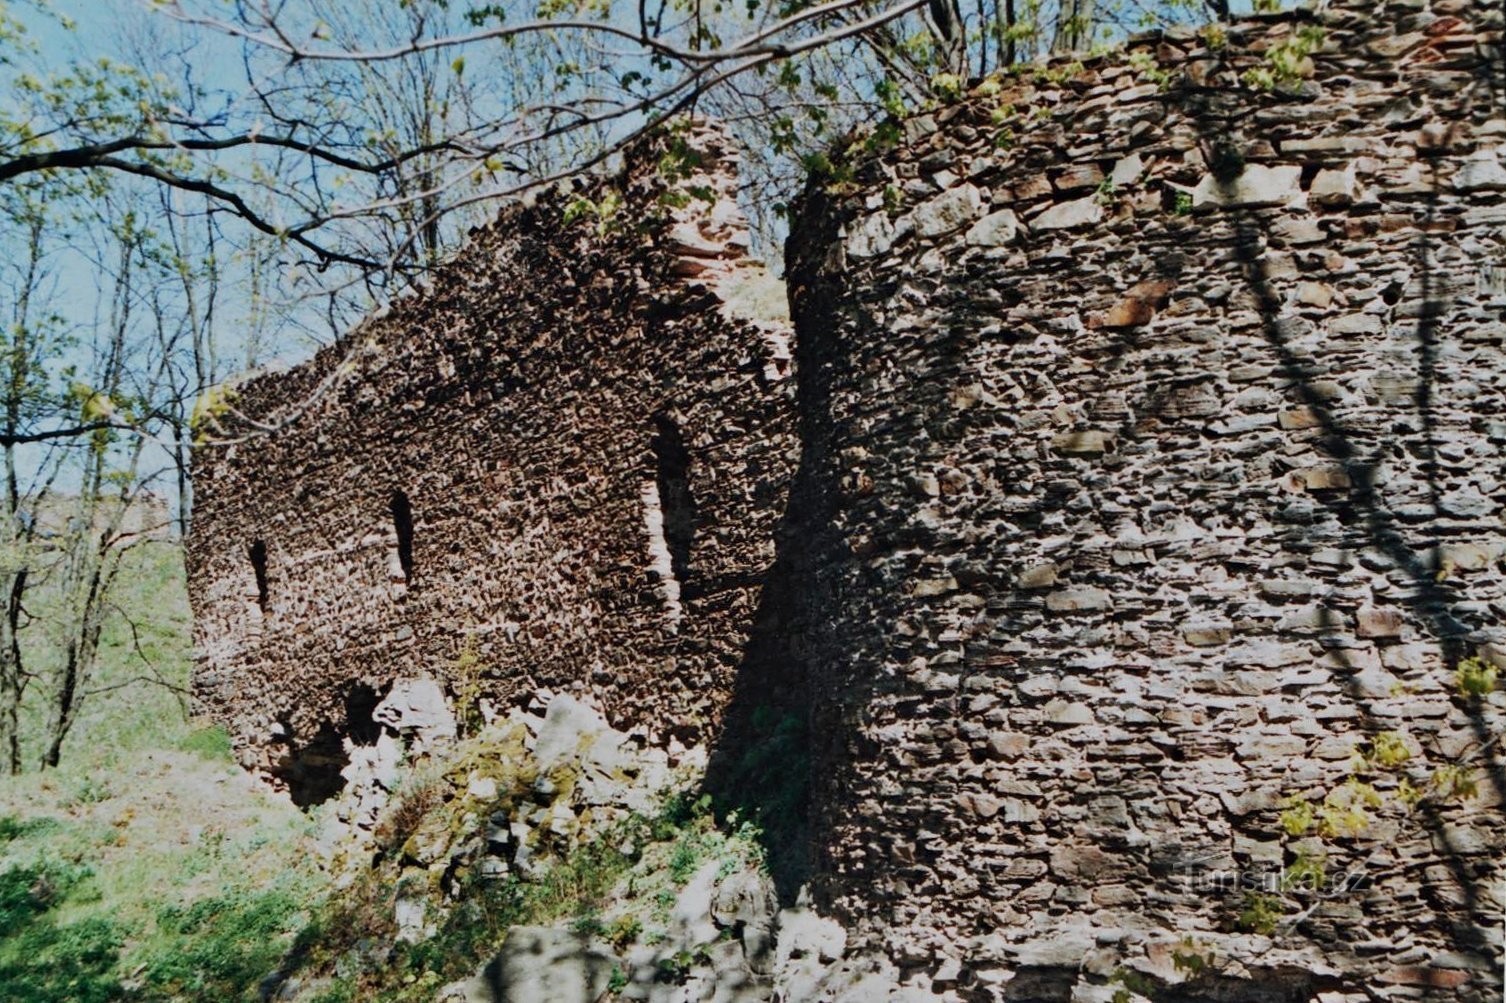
(669, 515)
(672, 478)
(258, 554)
(402, 524)
(360, 713)
(313, 767)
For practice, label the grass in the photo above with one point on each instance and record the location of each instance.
(148, 866)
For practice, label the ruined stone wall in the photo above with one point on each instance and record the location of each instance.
(556, 469)
(1153, 465)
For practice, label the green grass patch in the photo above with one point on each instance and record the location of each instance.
(44, 960)
(13, 828)
(196, 881)
(221, 948)
(212, 743)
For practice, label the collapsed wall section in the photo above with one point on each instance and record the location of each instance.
(1151, 518)
(557, 468)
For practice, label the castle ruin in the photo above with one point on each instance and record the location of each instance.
(1127, 522)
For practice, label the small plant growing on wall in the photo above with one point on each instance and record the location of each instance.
(1261, 913)
(603, 211)
(1287, 62)
(468, 672)
(1475, 677)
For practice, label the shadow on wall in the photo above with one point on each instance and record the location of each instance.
(1363, 506)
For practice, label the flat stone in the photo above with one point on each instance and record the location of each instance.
(1325, 478)
(873, 236)
(1355, 323)
(1288, 588)
(1091, 443)
(1299, 418)
(1127, 170)
(1077, 177)
(948, 211)
(1481, 172)
(1079, 599)
(1467, 503)
(1334, 188)
(1069, 713)
(1008, 744)
(1137, 308)
(1472, 556)
(994, 230)
(1421, 975)
(1298, 230)
(1069, 215)
(1318, 294)
(1207, 635)
(1256, 186)
(1039, 576)
(1372, 622)
(1272, 747)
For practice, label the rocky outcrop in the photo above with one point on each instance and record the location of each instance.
(1151, 520)
(619, 882)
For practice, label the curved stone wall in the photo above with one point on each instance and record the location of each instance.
(1152, 501)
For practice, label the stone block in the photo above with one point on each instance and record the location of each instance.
(1255, 187)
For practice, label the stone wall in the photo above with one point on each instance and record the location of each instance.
(1153, 466)
(556, 469)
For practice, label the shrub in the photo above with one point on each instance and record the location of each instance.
(1475, 677)
(408, 810)
(46, 963)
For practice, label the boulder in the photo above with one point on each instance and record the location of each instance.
(545, 964)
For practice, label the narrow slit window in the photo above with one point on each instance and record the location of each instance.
(258, 554)
(670, 513)
(672, 462)
(402, 524)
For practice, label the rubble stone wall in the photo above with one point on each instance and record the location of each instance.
(557, 468)
(1154, 466)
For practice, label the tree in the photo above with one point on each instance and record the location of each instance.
(31, 337)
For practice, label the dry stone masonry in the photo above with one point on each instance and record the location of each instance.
(558, 468)
(1132, 545)
(1153, 478)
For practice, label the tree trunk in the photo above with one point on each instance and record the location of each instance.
(944, 18)
(1074, 27)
